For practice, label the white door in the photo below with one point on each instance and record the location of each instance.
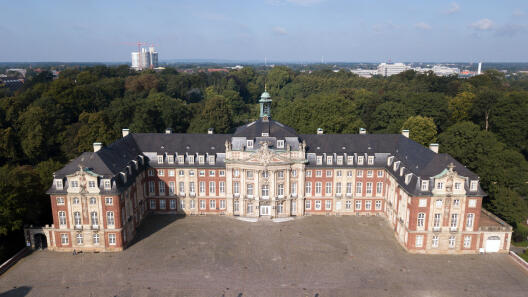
(493, 244)
(293, 207)
(265, 210)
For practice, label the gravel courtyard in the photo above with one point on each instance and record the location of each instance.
(221, 256)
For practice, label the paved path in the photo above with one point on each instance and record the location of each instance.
(221, 256)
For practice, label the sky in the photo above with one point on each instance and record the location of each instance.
(276, 30)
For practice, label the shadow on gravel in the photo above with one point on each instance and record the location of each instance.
(152, 224)
(16, 292)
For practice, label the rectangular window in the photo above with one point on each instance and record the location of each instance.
(75, 200)
(193, 206)
(152, 204)
(280, 190)
(328, 204)
(370, 160)
(58, 184)
(360, 160)
(91, 184)
(350, 160)
(317, 204)
(77, 218)
(162, 204)
(360, 173)
(191, 172)
(319, 160)
(474, 185)
(107, 185)
(202, 203)
(379, 188)
(436, 220)
(201, 159)
(160, 159)
(161, 185)
(181, 188)
(318, 173)
(170, 159)
(454, 220)
(358, 204)
(62, 218)
(74, 184)
(457, 186)
(329, 173)
(249, 143)
(79, 238)
(236, 187)
(110, 219)
(221, 173)
(95, 238)
(64, 239)
(109, 200)
(294, 189)
(338, 188)
(419, 241)
(440, 185)
(370, 173)
(378, 204)
(339, 160)
(171, 172)
(294, 173)
(265, 191)
(422, 203)
(456, 202)
(212, 188)
(434, 242)
(181, 160)
(369, 188)
(380, 173)
(349, 173)
(349, 189)
(472, 203)
(221, 186)
(425, 185)
(451, 241)
(359, 188)
(201, 173)
(172, 203)
(212, 204)
(368, 204)
(211, 160)
(280, 143)
(190, 159)
(212, 173)
(222, 204)
(421, 220)
(308, 173)
(236, 206)
(329, 160)
(202, 187)
(192, 188)
(318, 188)
(339, 173)
(438, 203)
(249, 174)
(161, 172)
(328, 188)
(171, 188)
(467, 242)
(308, 189)
(60, 200)
(470, 219)
(308, 204)
(348, 204)
(112, 239)
(151, 187)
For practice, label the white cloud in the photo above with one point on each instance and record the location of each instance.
(483, 25)
(518, 12)
(422, 26)
(280, 30)
(454, 7)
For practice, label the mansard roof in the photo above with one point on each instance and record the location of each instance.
(181, 143)
(256, 128)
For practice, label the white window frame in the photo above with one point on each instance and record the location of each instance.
(64, 239)
(370, 160)
(112, 239)
(419, 241)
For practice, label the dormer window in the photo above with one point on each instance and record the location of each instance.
(280, 143)
(181, 160)
(425, 185)
(329, 160)
(408, 178)
(396, 165)
(350, 160)
(249, 144)
(191, 159)
(370, 160)
(360, 160)
(339, 160)
(319, 160)
(390, 160)
(211, 160)
(170, 159)
(58, 184)
(160, 159)
(107, 184)
(473, 186)
(201, 159)
(265, 134)
(401, 171)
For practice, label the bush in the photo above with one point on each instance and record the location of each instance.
(520, 233)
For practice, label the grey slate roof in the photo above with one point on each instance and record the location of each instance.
(417, 159)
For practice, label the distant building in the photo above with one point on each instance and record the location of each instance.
(145, 59)
(367, 73)
(388, 69)
(439, 70)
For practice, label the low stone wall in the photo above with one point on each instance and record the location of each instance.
(519, 260)
(13, 260)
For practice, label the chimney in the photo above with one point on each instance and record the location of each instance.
(210, 131)
(434, 147)
(320, 131)
(168, 131)
(405, 133)
(362, 131)
(97, 146)
(125, 132)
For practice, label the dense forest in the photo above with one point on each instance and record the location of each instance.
(481, 121)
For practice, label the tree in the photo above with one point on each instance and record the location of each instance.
(36, 130)
(460, 106)
(216, 114)
(389, 117)
(421, 129)
(508, 119)
(509, 205)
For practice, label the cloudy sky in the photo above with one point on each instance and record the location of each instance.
(281, 30)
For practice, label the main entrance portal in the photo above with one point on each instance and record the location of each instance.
(265, 210)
